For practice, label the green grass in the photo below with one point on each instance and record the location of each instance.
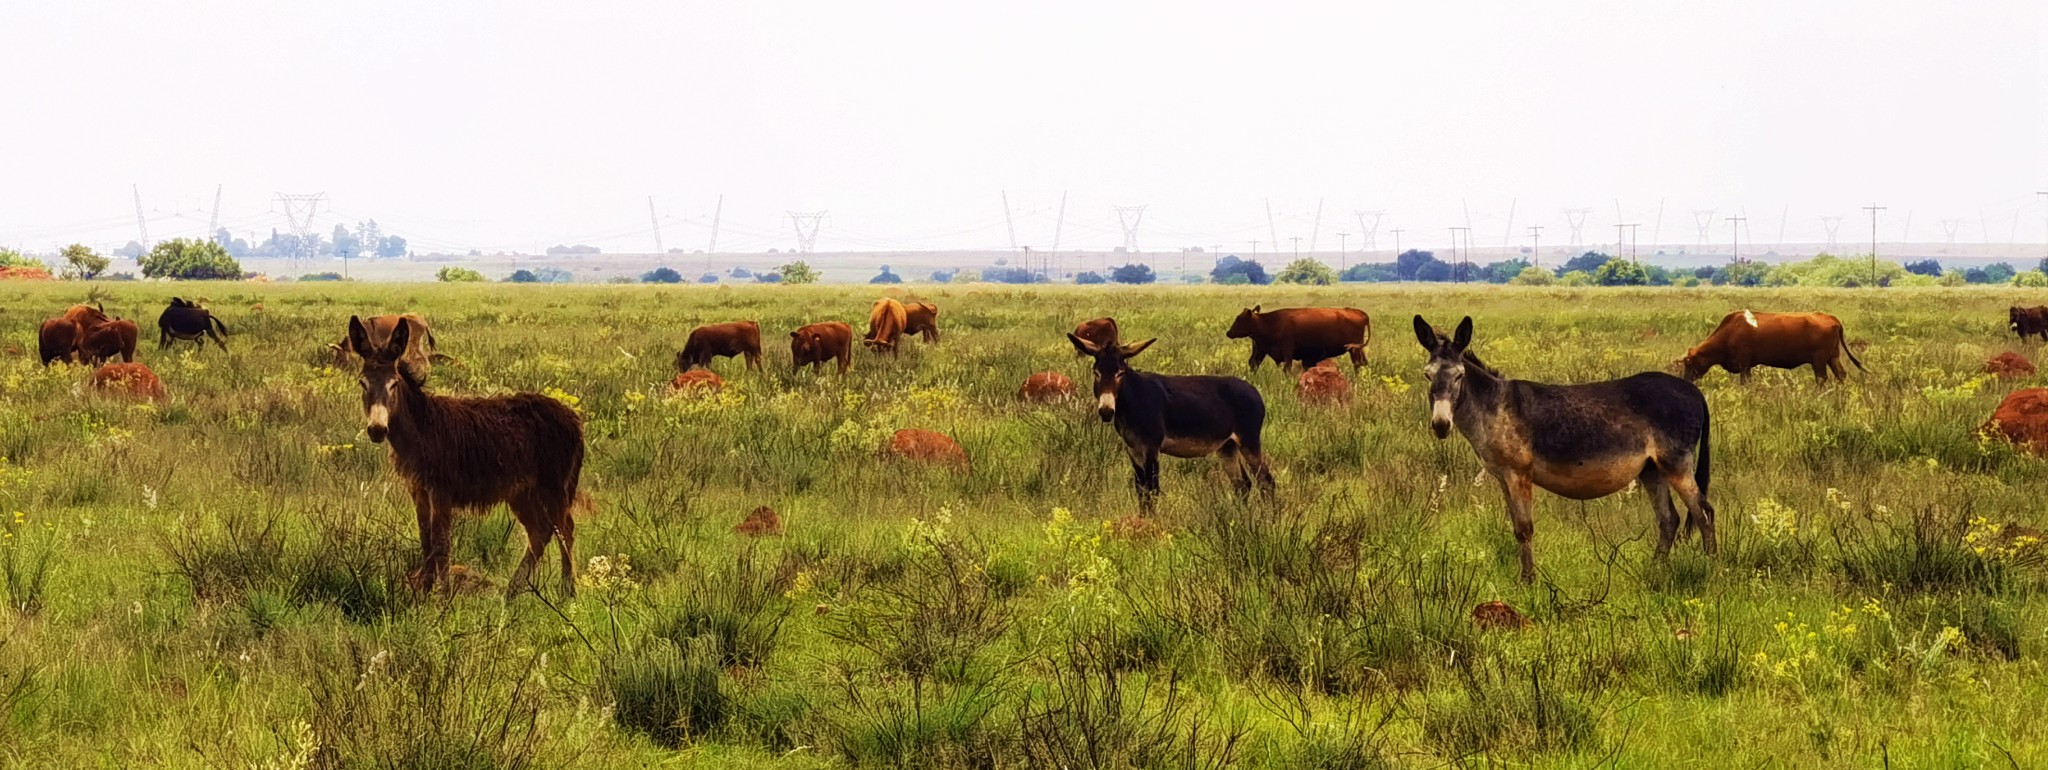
(217, 581)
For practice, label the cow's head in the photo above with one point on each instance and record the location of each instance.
(384, 368)
(1691, 366)
(2013, 316)
(1247, 323)
(1445, 370)
(804, 344)
(1110, 368)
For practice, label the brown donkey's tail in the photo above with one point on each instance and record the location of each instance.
(1703, 471)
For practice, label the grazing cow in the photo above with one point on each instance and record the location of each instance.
(886, 322)
(1101, 331)
(922, 319)
(1304, 335)
(820, 342)
(57, 340)
(457, 454)
(733, 338)
(1746, 340)
(1580, 441)
(1183, 416)
(2027, 321)
(186, 320)
(86, 316)
(420, 353)
(103, 342)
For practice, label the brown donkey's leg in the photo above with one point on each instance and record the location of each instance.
(444, 542)
(1518, 490)
(1699, 512)
(422, 577)
(1660, 502)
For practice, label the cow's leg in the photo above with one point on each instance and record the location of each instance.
(1841, 372)
(1820, 372)
(1258, 354)
(565, 532)
(1742, 377)
(1660, 504)
(1518, 490)
(533, 517)
(1699, 513)
(1357, 356)
(754, 361)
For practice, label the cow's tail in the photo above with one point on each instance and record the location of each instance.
(216, 323)
(1842, 338)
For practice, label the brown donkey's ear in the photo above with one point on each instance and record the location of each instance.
(1087, 348)
(401, 336)
(1132, 350)
(358, 337)
(1463, 337)
(1425, 334)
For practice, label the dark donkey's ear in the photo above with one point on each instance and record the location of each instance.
(358, 337)
(1132, 350)
(1087, 348)
(1425, 334)
(401, 336)
(1464, 335)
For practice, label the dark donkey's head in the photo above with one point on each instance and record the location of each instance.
(1445, 370)
(383, 368)
(1109, 369)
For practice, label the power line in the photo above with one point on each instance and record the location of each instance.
(1576, 218)
(806, 225)
(1368, 230)
(1128, 218)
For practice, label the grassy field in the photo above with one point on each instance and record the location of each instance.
(216, 581)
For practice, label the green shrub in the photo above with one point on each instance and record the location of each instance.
(1306, 270)
(190, 260)
(454, 274)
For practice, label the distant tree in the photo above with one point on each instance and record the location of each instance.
(1975, 275)
(320, 277)
(1413, 262)
(1658, 275)
(1011, 275)
(84, 264)
(454, 274)
(886, 277)
(739, 272)
(345, 243)
(130, 250)
(1090, 277)
(1998, 272)
(798, 272)
(1306, 271)
(1245, 270)
(1952, 278)
(551, 274)
(1533, 276)
(522, 276)
(1620, 272)
(1705, 273)
(1932, 267)
(708, 278)
(2031, 279)
(768, 278)
(12, 258)
(578, 250)
(1576, 278)
(1588, 263)
(1373, 271)
(1433, 270)
(943, 275)
(184, 259)
(1466, 272)
(965, 276)
(1742, 274)
(1001, 261)
(391, 246)
(662, 275)
(1504, 270)
(1133, 273)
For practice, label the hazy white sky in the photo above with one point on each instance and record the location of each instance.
(511, 125)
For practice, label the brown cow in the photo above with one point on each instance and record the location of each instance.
(1101, 331)
(922, 319)
(820, 342)
(59, 339)
(1746, 340)
(886, 322)
(734, 338)
(1304, 335)
(2028, 321)
(103, 342)
(419, 350)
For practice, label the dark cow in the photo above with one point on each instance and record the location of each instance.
(104, 342)
(186, 320)
(420, 341)
(1747, 340)
(1305, 335)
(1101, 331)
(2028, 321)
(821, 342)
(734, 338)
(886, 322)
(1183, 416)
(1580, 441)
(922, 319)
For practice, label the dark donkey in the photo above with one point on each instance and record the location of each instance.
(1579, 441)
(1183, 416)
(524, 450)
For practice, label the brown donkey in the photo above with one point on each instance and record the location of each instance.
(524, 450)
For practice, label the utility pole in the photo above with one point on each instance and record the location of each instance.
(1397, 245)
(1255, 250)
(1619, 241)
(1458, 274)
(658, 248)
(1735, 235)
(1536, 245)
(1297, 245)
(1873, 209)
(1343, 251)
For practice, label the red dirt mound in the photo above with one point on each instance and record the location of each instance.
(2009, 365)
(1323, 384)
(763, 522)
(927, 447)
(1497, 615)
(702, 380)
(1046, 386)
(134, 380)
(2023, 418)
(24, 274)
